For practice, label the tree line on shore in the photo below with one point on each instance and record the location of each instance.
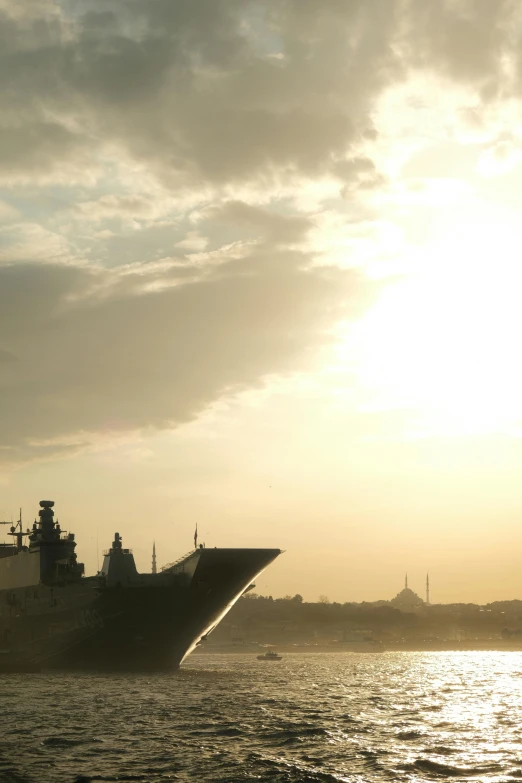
(295, 619)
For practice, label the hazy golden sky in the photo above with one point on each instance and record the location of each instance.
(260, 269)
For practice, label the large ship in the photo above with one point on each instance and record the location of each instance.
(53, 616)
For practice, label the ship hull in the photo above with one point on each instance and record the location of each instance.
(148, 624)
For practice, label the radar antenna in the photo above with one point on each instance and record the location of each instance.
(18, 534)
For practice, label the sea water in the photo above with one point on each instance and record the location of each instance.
(309, 717)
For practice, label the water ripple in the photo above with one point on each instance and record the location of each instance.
(330, 718)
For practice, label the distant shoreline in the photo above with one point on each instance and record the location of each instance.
(487, 645)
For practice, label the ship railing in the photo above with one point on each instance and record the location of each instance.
(179, 562)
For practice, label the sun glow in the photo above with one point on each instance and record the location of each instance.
(444, 341)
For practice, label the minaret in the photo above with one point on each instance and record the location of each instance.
(154, 569)
(427, 589)
(406, 582)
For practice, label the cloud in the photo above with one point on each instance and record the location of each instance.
(131, 206)
(118, 359)
(193, 242)
(500, 158)
(167, 169)
(22, 241)
(36, 147)
(467, 41)
(223, 92)
(190, 88)
(274, 227)
(8, 214)
(194, 89)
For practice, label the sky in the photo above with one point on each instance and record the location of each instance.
(260, 271)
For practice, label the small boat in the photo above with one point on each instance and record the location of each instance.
(269, 656)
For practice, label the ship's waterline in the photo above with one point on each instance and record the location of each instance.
(52, 616)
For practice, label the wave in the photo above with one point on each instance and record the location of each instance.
(409, 735)
(444, 770)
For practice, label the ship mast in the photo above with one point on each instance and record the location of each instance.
(17, 534)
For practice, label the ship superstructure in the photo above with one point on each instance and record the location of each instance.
(49, 557)
(52, 616)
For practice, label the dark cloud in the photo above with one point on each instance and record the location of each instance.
(467, 40)
(121, 360)
(218, 98)
(192, 88)
(29, 148)
(6, 357)
(276, 228)
(221, 90)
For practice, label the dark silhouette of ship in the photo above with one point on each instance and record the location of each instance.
(52, 616)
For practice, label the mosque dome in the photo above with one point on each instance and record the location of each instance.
(407, 598)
